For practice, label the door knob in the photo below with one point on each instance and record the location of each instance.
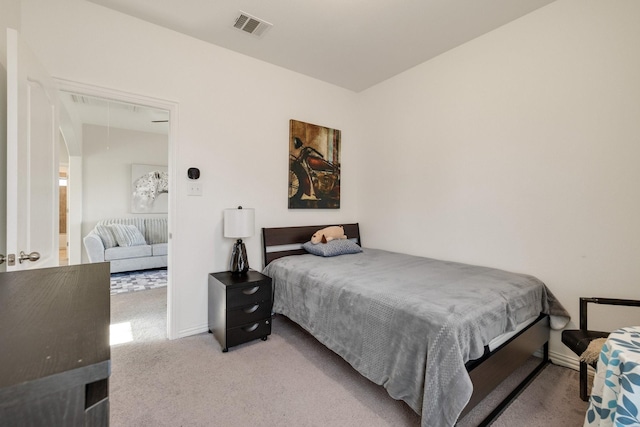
(33, 256)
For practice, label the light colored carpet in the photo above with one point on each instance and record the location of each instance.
(288, 380)
(132, 281)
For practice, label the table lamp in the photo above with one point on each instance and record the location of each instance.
(238, 224)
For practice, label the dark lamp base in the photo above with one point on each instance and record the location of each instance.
(239, 261)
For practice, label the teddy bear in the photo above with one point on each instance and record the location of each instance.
(328, 234)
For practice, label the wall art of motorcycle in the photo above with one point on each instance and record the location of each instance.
(314, 166)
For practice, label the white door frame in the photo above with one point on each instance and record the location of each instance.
(31, 158)
(172, 107)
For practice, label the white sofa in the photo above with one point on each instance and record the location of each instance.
(129, 244)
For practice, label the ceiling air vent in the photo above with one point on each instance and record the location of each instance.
(252, 25)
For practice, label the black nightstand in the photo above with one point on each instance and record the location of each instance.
(239, 307)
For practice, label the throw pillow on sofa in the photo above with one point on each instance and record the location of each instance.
(106, 235)
(127, 235)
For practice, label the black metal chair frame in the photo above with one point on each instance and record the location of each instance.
(588, 336)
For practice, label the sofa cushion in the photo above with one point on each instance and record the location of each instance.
(107, 236)
(138, 222)
(159, 249)
(128, 235)
(127, 252)
(156, 230)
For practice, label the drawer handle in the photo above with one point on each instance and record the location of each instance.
(251, 291)
(251, 328)
(251, 309)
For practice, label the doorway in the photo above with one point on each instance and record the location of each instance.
(118, 119)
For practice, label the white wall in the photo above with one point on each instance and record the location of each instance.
(108, 154)
(233, 124)
(517, 150)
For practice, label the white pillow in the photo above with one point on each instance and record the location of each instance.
(128, 235)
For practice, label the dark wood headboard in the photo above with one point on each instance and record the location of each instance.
(282, 241)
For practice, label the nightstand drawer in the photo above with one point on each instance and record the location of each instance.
(249, 332)
(258, 291)
(250, 313)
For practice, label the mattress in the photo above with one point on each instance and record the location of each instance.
(495, 343)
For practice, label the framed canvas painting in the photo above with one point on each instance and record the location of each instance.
(149, 189)
(314, 166)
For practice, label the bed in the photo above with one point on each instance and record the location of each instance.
(438, 335)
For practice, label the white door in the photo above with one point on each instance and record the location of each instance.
(32, 160)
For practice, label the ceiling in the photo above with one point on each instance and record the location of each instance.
(114, 114)
(353, 44)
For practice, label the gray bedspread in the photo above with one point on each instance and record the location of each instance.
(408, 323)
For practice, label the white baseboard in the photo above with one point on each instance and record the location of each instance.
(193, 331)
(561, 359)
(571, 362)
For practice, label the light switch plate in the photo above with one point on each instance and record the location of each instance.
(194, 188)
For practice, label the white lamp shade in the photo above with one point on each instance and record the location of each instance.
(239, 223)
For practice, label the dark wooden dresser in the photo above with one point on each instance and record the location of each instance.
(54, 346)
(239, 307)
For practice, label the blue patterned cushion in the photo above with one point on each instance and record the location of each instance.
(127, 235)
(333, 248)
